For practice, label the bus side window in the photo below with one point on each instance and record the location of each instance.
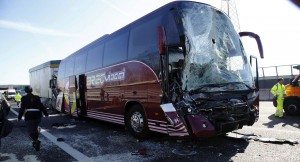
(143, 38)
(62, 68)
(70, 66)
(80, 61)
(94, 57)
(115, 50)
(175, 51)
(172, 33)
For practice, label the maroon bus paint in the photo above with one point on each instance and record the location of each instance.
(122, 78)
(111, 88)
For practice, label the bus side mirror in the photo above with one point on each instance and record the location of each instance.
(162, 41)
(258, 41)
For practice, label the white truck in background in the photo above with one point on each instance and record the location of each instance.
(11, 93)
(41, 78)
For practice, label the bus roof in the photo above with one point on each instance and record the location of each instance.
(52, 64)
(158, 11)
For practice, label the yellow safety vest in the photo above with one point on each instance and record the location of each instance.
(278, 90)
(18, 97)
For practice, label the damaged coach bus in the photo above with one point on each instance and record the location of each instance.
(180, 70)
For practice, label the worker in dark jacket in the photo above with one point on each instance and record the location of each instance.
(4, 111)
(33, 108)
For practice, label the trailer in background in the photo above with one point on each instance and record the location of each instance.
(41, 77)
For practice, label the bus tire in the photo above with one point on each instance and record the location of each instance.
(291, 107)
(136, 122)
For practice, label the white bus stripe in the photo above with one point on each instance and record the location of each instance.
(67, 148)
(109, 116)
(99, 113)
(107, 119)
(178, 134)
(117, 115)
(160, 128)
(159, 121)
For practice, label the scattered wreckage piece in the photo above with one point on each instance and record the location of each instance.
(60, 139)
(276, 141)
(142, 151)
(62, 126)
(184, 152)
(254, 137)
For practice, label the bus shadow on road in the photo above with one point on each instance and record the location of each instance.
(220, 148)
(293, 121)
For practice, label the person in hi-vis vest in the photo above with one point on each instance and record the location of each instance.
(278, 90)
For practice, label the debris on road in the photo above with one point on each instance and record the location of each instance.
(142, 151)
(60, 139)
(276, 141)
(183, 152)
(245, 134)
(254, 137)
(62, 126)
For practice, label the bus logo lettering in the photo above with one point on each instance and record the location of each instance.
(101, 78)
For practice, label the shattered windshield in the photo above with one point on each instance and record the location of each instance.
(214, 52)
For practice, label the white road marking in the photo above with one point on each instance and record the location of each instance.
(12, 110)
(49, 115)
(67, 148)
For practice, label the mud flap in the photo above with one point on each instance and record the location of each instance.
(176, 127)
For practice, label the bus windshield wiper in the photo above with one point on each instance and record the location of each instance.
(199, 90)
(249, 87)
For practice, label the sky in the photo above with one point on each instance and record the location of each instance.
(35, 31)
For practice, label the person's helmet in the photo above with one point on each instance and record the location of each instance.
(280, 79)
(28, 89)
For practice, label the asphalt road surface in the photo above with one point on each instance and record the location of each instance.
(270, 139)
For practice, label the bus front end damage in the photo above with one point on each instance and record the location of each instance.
(206, 115)
(209, 86)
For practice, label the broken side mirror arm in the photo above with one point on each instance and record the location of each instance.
(256, 70)
(258, 41)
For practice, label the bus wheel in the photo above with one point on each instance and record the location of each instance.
(291, 107)
(136, 122)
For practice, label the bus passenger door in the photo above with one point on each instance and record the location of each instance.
(80, 96)
(71, 109)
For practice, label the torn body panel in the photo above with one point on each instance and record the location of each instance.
(217, 113)
(176, 126)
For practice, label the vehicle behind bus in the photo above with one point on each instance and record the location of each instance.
(180, 70)
(41, 80)
(292, 98)
(11, 93)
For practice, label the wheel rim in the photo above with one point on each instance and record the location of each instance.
(137, 122)
(292, 108)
